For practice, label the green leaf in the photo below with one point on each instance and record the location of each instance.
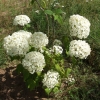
(28, 25)
(19, 68)
(67, 52)
(25, 74)
(58, 67)
(28, 83)
(66, 41)
(47, 90)
(49, 12)
(67, 72)
(31, 84)
(91, 90)
(39, 74)
(55, 16)
(58, 18)
(44, 3)
(58, 11)
(74, 61)
(55, 89)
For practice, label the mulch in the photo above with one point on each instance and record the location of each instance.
(12, 87)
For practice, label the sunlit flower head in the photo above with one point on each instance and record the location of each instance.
(79, 26)
(34, 62)
(25, 34)
(21, 20)
(39, 40)
(51, 79)
(56, 49)
(79, 48)
(15, 45)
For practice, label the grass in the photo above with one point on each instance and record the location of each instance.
(87, 74)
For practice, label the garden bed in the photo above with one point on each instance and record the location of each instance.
(12, 87)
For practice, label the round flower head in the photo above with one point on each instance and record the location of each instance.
(16, 45)
(51, 79)
(57, 49)
(24, 34)
(21, 20)
(79, 48)
(79, 26)
(39, 40)
(33, 62)
(57, 42)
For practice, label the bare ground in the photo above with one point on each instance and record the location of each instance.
(12, 87)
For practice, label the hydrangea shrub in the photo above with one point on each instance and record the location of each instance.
(40, 63)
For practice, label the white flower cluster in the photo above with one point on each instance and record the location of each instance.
(57, 42)
(51, 79)
(16, 45)
(79, 26)
(39, 40)
(79, 48)
(56, 4)
(34, 62)
(24, 34)
(21, 20)
(57, 49)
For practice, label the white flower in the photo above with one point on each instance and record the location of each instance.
(37, 11)
(79, 48)
(15, 45)
(34, 62)
(21, 20)
(79, 26)
(62, 6)
(57, 42)
(57, 49)
(64, 13)
(56, 4)
(24, 34)
(39, 40)
(51, 79)
(70, 79)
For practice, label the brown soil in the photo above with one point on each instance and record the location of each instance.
(12, 87)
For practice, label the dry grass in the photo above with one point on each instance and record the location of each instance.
(8, 10)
